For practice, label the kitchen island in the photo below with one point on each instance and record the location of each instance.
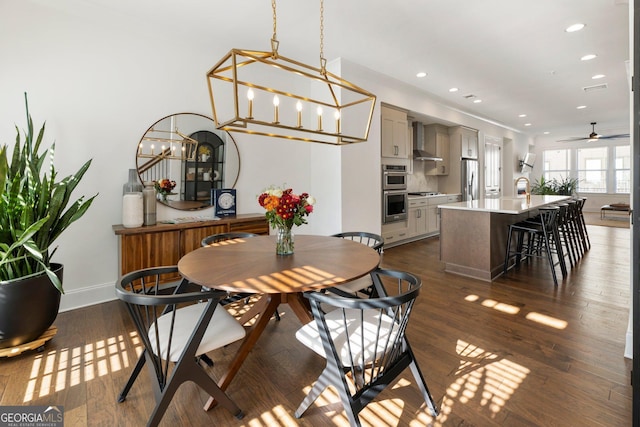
(473, 234)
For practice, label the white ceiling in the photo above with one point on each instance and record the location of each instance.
(512, 54)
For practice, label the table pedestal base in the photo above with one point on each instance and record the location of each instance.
(264, 308)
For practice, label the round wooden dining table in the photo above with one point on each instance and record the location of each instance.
(250, 265)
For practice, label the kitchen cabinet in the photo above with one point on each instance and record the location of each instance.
(437, 142)
(423, 220)
(433, 224)
(418, 217)
(394, 233)
(464, 142)
(433, 219)
(395, 133)
(459, 137)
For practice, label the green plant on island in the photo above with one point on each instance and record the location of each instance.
(565, 186)
(35, 207)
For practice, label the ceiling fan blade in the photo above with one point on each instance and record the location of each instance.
(620, 135)
(577, 138)
(594, 136)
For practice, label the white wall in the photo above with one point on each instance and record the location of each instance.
(100, 80)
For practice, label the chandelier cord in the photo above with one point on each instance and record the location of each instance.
(274, 39)
(323, 61)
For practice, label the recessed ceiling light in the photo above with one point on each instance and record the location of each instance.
(598, 76)
(477, 101)
(421, 74)
(453, 89)
(522, 115)
(574, 28)
(527, 124)
(581, 107)
(588, 57)
(546, 132)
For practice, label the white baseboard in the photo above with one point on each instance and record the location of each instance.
(85, 297)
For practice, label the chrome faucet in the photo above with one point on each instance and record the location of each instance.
(527, 191)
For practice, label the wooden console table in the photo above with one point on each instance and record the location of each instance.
(165, 244)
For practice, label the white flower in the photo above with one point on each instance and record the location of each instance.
(311, 200)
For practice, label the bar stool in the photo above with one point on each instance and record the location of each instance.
(564, 234)
(576, 229)
(580, 202)
(567, 232)
(539, 238)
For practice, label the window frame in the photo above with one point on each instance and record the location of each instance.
(603, 171)
(573, 171)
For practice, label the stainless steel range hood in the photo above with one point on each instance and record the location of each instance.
(423, 155)
(418, 138)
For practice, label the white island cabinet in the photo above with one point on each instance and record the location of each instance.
(473, 234)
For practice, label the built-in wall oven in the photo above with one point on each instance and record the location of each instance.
(395, 202)
(394, 177)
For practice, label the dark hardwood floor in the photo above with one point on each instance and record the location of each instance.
(515, 352)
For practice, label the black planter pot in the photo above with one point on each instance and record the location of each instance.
(28, 307)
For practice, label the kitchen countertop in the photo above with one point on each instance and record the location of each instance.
(505, 205)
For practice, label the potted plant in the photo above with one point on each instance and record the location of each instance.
(565, 186)
(35, 209)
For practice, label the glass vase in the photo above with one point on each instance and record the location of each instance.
(284, 241)
(133, 185)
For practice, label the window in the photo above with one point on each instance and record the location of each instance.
(592, 170)
(555, 164)
(622, 166)
(599, 169)
(492, 168)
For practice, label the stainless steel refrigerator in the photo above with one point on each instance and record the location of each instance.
(469, 169)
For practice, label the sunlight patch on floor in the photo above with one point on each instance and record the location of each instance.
(546, 320)
(278, 416)
(58, 370)
(540, 318)
(500, 306)
(483, 376)
(496, 305)
(379, 413)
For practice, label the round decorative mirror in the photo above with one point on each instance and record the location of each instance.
(187, 149)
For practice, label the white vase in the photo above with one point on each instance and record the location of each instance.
(132, 210)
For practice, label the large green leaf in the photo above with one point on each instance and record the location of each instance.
(4, 167)
(35, 207)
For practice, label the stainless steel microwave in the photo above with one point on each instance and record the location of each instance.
(394, 177)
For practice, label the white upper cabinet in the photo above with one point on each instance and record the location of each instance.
(469, 143)
(395, 133)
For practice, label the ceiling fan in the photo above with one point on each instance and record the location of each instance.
(594, 136)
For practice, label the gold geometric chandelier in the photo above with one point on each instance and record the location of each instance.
(263, 93)
(171, 144)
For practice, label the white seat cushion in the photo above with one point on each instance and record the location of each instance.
(309, 336)
(355, 285)
(223, 329)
